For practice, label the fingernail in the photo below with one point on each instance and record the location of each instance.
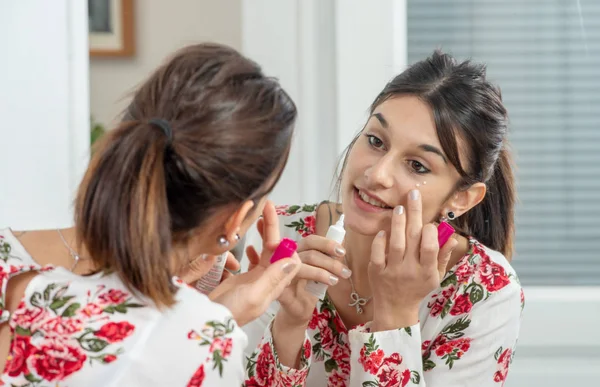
(340, 251)
(381, 234)
(333, 279)
(414, 194)
(288, 267)
(399, 210)
(346, 273)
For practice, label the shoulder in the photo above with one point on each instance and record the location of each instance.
(482, 278)
(301, 220)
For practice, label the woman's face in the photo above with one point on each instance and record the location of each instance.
(397, 151)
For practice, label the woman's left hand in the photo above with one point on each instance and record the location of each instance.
(413, 267)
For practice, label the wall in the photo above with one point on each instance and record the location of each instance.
(44, 110)
(161, 28)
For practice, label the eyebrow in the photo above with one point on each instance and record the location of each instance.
(425, 147)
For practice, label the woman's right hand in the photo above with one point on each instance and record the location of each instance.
(321, 261)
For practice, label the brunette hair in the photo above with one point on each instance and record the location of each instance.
(207, 130)
(468, 107)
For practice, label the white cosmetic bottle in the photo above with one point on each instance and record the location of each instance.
(336, 233)
(212, 279)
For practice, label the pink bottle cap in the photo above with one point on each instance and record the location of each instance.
(445, 231)
(287, 247)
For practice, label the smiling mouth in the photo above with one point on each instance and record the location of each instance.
(371, 200)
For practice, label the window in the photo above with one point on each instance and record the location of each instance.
(545, 55)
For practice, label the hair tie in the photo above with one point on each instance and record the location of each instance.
(164, 125)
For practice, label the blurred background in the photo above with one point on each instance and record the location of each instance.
(67, 67)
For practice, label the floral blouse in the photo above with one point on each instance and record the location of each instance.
(71, 331)
(466, 334)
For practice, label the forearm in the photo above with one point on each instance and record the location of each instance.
(288, 339)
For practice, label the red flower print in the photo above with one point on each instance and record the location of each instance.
(252, 382)
(439, 300)
(91, 309)
(493, 276)
(464, 272)
(264, 365)
(327, 338)
(62, 327)
(281, 210)
(341, 356)
(390, 374)
(20, 350)
(193, 335)
(339, 324)
(222, 345)
(319, 320)
(307, 349)
(503, 363)
(109, 358)
(197, 378)
(309, 226)
(372, 362)
(462, 305)
(56, 360)
(337, 379)
(114, 296)
(114, 332)
(460, 345)
(425, 345)
(28, 318)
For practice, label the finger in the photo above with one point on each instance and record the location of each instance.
(260, 227)
(377, 262)
(414, 224)
(253, 257)
(322, 244)
(445, 254)
(226, 274)
(397, 236)
(276, 278)
(312, 273)
(197, 268)
(429, 247)
(232, 263)
(270, 223)
(319, 260)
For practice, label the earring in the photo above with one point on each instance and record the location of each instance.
(222, 241)
(449, 216)
(237, 237)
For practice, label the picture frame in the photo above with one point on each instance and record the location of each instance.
(110, 28)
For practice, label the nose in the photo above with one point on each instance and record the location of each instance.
(380, 174)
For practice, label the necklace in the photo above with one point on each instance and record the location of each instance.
(357, 301)
(73, 253)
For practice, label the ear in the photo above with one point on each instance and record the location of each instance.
(463, 201)
(234, 223)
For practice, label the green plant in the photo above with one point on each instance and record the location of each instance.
(96, 130)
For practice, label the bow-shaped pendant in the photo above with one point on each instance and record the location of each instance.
(357, 302)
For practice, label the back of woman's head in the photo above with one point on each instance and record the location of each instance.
(207, 130)
(471, 119)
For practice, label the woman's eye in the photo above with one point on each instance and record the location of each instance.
(418, 167)
(374, 141)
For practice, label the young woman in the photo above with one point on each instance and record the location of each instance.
(404, 311)
(99, 304)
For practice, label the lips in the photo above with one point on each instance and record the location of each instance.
(372, 199)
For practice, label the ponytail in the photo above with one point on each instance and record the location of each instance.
(492, 221)
(122, 213)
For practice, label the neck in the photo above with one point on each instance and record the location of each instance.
(358, 255)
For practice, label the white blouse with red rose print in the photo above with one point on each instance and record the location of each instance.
(466, 335)
(90, 331)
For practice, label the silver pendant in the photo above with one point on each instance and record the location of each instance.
(358, 302)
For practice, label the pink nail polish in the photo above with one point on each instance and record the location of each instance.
(445, 231)
(287, 247)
